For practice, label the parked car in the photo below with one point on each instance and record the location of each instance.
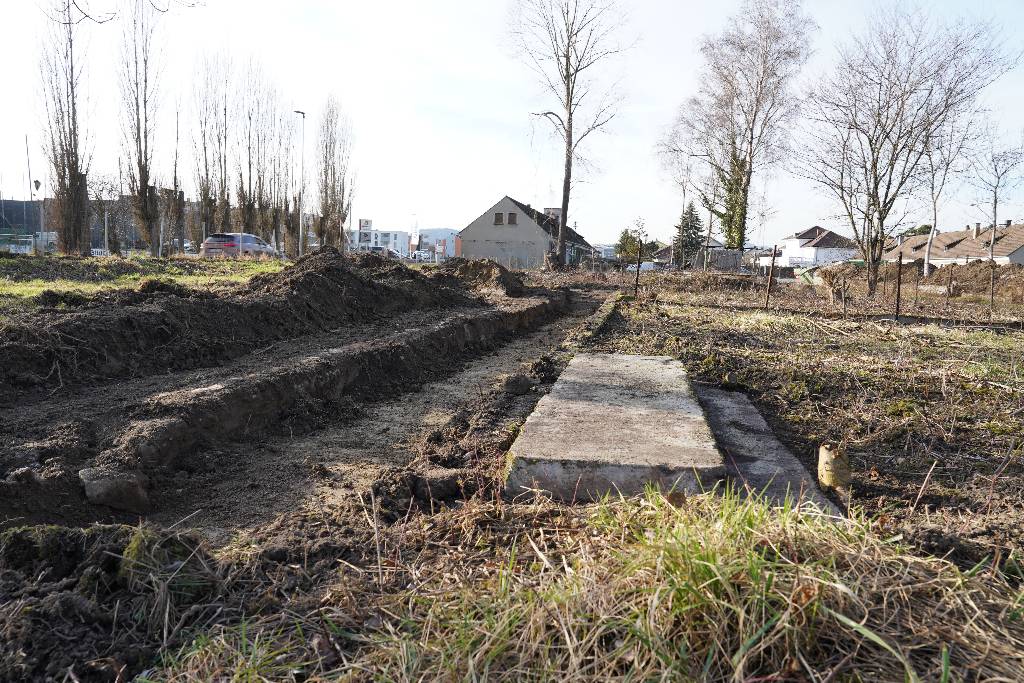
(645, 267)
(234, 244)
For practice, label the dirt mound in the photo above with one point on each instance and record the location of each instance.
(94, 604)
(483, 274)
(974, 278)
(162, 326)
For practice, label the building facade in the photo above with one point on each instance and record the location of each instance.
(378, 241)
(440, 242)
(518, 236)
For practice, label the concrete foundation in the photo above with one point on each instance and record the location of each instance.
(615, 424)
(756, 460)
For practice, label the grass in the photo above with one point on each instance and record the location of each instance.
(709, 587)
(897, 398)
(24, 278)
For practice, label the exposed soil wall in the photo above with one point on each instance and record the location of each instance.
(163, 326)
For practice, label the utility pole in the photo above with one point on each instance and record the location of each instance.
(31, 195)
(302, 177)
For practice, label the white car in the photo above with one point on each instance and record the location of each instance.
(645, 267)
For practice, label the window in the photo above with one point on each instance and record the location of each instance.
(499, 218)
(512, 218)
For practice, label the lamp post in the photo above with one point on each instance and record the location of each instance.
(302, 176)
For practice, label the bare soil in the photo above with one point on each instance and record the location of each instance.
(162, 326)
(101, 602)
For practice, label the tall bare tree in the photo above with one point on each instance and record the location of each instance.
(334, 148)
(281, 177)
(220, 95)
(66, 152)
(206, 103)
(996, 171)
(944, 159)
(139, 91)
(736, 124)
(893, 91)
(564, 40)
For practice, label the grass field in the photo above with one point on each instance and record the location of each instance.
(709, 588)
(24, 278)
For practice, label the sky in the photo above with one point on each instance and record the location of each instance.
(440, 102)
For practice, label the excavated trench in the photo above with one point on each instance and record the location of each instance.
(134, 438)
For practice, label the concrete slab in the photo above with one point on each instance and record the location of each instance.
(615, 423)
(756, 460)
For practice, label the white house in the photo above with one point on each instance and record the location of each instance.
(518, 236)
(813, 247)
(372, 239)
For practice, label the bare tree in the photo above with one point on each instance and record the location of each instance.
(172, 200)
(334, 154)
(138, 88)
(892, 93)
(736, 123)
(107, 209)
(65, 149)
(281, 176)
(944, 155)
(996, 171)
(207, 100)
(221, 181)
(564, 40)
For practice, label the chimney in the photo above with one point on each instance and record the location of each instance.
(1008, 222)
(976, 231)
(899, 239)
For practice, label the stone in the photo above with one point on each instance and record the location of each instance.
(615, 423)
(120, 490)
(756, 460)
(518, 385)
(24, 475)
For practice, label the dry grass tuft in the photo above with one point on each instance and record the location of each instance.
(716, 588)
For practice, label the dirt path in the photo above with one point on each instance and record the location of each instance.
(244, 485)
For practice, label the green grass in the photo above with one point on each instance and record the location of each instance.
(701, 588)
(22, 279)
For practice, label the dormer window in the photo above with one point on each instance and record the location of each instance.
(499, 218)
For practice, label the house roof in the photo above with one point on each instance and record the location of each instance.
(549, 224)
(831, 240)
(961, 244)
(822, 238)
(809, 233)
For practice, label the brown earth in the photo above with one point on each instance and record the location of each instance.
(161, 326)
(102, 601)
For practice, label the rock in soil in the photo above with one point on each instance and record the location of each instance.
(121, 490)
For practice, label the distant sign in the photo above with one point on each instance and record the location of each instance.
(365, 224)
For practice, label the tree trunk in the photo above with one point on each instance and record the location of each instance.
(563, 220)
(872, 265)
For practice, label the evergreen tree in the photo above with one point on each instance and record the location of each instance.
(625, 249)
(689, 235)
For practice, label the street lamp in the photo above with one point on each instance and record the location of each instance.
(302, 176)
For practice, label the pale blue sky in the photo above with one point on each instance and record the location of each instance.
(440, 102)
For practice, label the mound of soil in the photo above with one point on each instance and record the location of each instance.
(92, 604)
(483, 274)
(974, 278)
(162, 326)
